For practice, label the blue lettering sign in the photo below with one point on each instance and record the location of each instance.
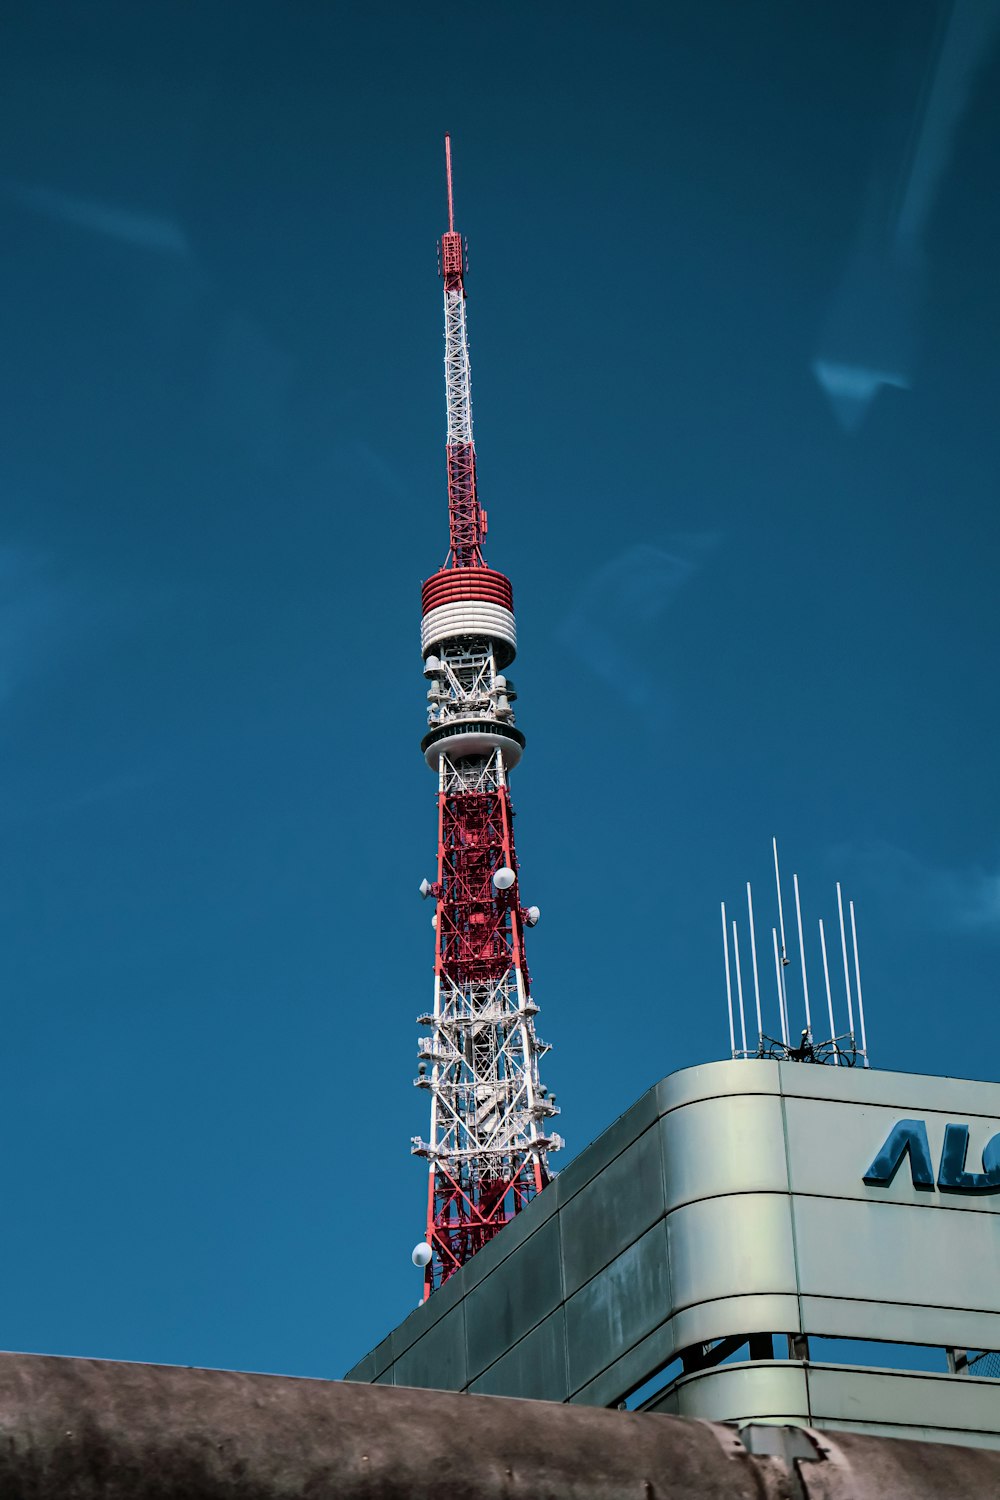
(952, 1174)
(909, 1138)
(905, 1137)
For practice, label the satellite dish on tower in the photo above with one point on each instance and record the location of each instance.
(421, 1254)
(503, 878)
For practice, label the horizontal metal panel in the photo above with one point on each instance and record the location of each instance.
(907, 1092)
(378, 1360)
(535, 1368)
(364, 1371)
(724, 1145)
(905, 1398)
(917, 1434)
(618, 1307)
(423, 1317)
(776, 1312)
(906, 1404)
(831, 1146)
(695, 1325)
(721, 1247)
(945, 1326)
(438, 1359)
(612, 1210)
(521, 1292)
(630, 1370)
(712, 1080)
(897, 1252)
(730, 1393)
(609, 1144)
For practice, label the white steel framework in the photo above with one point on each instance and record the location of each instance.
(458, 386)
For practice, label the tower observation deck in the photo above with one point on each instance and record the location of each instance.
(489, 1134)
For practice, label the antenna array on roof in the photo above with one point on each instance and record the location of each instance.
(843, 1049)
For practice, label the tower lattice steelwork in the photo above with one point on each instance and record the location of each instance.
(489, 1140)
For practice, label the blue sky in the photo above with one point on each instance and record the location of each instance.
(747, 604)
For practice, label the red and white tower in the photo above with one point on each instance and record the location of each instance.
(489, 1140)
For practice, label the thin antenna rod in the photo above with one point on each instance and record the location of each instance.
(739, 988)
(729, 982)
(802, 953)
(826, 976)
(857, 982)
(451, 200)
(784, 950)
(753, 952)
(777, 975)
(847, 973)
(777, 882)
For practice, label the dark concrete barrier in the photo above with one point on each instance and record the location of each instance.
(73, 1429)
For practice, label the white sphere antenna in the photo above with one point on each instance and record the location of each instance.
(421, 1254)
(503, 878)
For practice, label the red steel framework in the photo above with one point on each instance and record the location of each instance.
(489, 1142)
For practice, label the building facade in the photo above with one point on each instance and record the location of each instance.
(751, 1241)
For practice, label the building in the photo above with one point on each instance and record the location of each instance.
(705, 1255)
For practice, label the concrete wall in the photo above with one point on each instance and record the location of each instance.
(728, 1200)
(82, 1429)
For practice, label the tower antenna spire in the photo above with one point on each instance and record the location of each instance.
(451, 196)
(466, 517)
(489, 1139)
